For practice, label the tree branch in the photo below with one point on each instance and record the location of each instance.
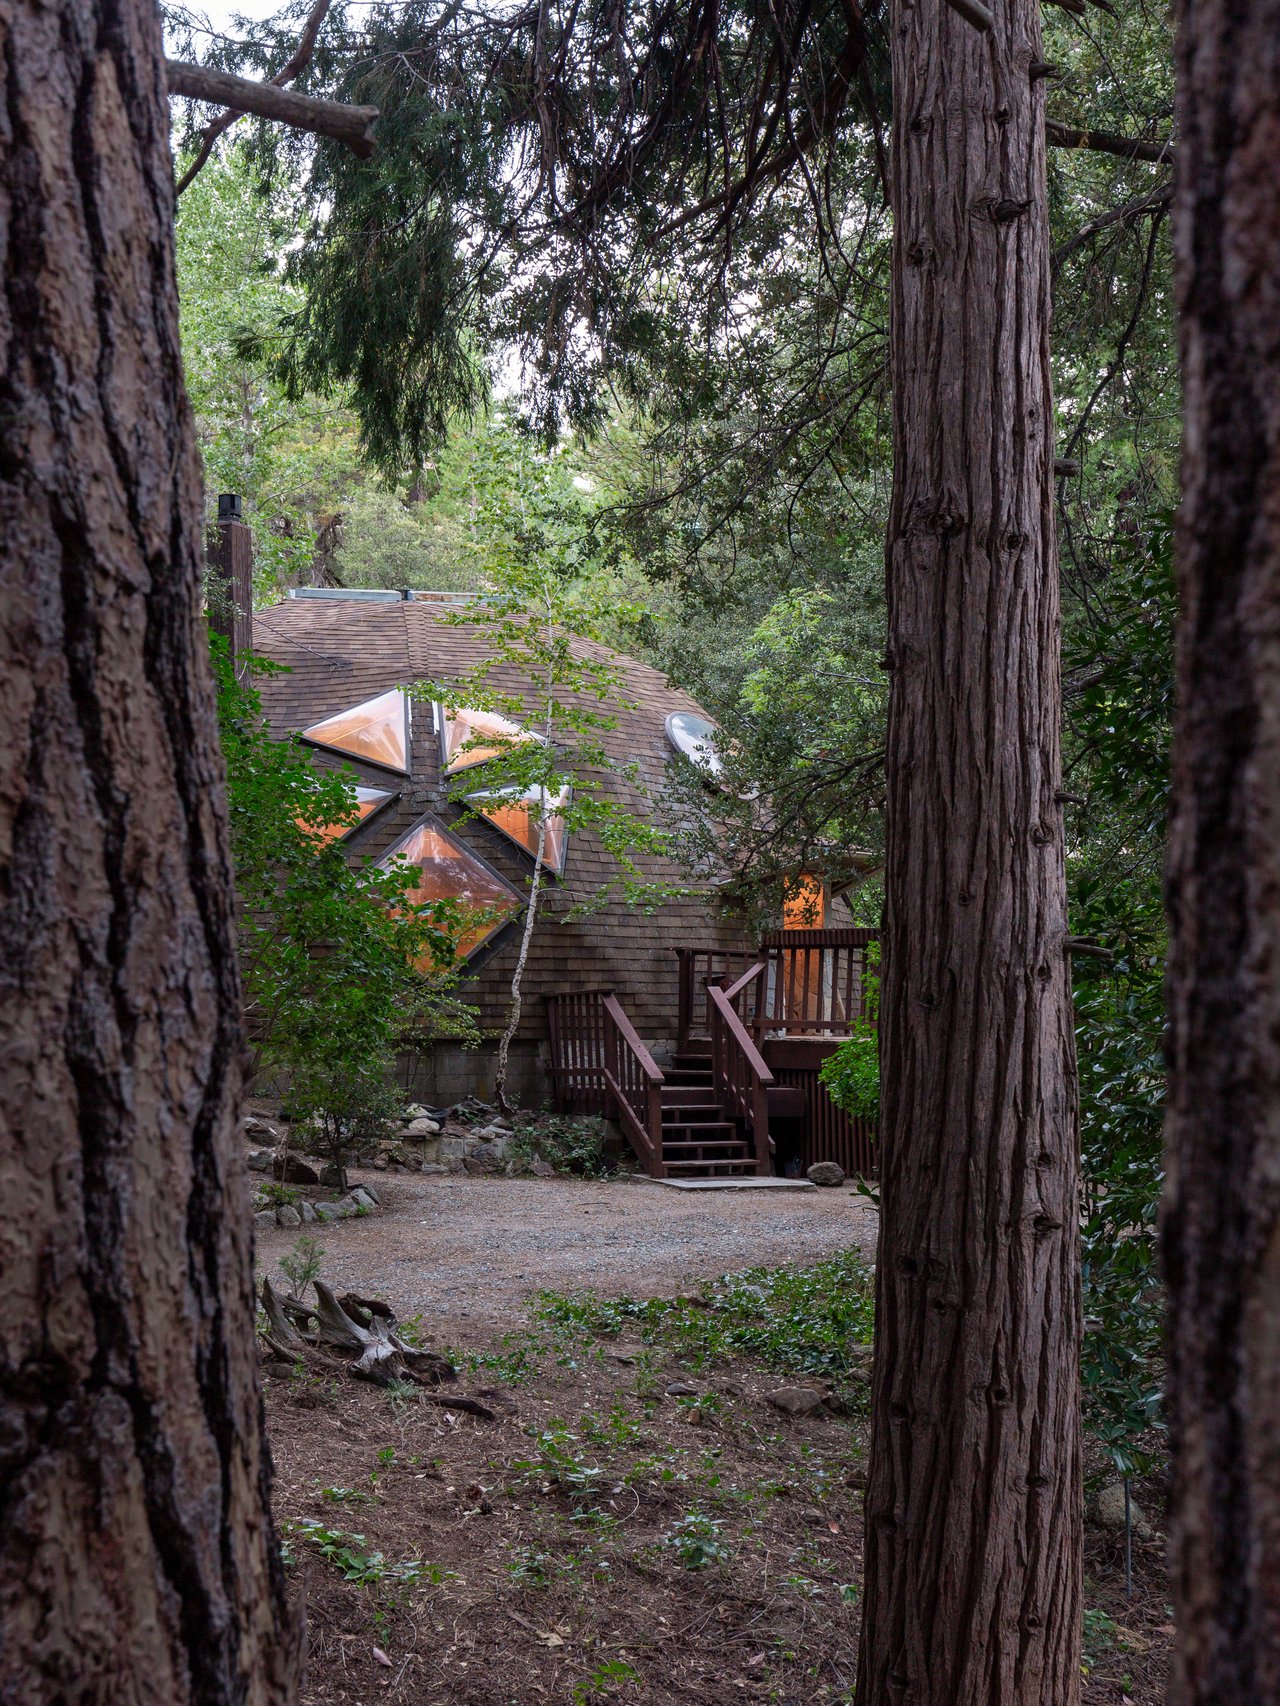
(350, 125)
(296, 64)
(1157, 202)
(1101, 142)
(973, 12)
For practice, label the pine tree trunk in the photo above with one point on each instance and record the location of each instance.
(973, 1571)
(136, 1557)
(1221, 1227)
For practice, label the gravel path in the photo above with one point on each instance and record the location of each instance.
(474, 1249)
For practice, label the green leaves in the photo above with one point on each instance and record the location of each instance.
(339, 965)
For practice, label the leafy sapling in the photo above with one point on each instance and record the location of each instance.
(542, 619)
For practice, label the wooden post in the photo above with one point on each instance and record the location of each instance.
(229, 591)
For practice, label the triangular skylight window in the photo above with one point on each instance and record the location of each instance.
(470, 737)
(510, 810)
(451, 871)
(368, 801)
(377, 731)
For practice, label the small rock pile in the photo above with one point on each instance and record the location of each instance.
(469, 1138)
(288, 1168)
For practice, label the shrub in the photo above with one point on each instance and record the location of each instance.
(851, 1074)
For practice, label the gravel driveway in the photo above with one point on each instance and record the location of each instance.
(473, 1250)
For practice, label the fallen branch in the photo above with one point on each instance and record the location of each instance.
(350, 125)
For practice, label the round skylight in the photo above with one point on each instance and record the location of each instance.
(695, 737)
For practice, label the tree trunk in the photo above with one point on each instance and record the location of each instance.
(1221, 1216)
(973, 1571)
(137, 1562)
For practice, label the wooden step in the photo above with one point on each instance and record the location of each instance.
(687, 1077)
(746, 1164)
(688, 1095)
(701, 1128)
(696, 1054)
(691, 1113)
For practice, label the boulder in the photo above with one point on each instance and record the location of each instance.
(420, 1128)
(307, 1213)
(454, 1148)
(287, 1215)
(370, 1193)
(262, 1160)
(363, 1197)
(487, 1157)
(259, 1131)
(291, 1169)
(265, 1217)
(331, 1177)
(681, 1389)
(343, 1209)
(433, 1167)
(796, 1400)
(826, 1173)
(398, 1156)
(1107, 1511)
(539, 1168)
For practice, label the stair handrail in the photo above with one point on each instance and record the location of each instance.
(739, 1073)
(738, 987)
(633, 1080)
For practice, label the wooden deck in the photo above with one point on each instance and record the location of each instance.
(741, 1095)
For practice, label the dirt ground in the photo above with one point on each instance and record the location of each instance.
(638, 1522)
(460, 1249)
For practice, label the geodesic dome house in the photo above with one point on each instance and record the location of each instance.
(350, 658)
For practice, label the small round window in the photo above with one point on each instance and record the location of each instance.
(695, 737)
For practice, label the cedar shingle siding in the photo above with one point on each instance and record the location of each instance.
(340, 652)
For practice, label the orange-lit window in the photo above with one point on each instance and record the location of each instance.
(511, 811)
(448, 870)
(377, 730)
(368, 801)
(470, 737)
(804, 905)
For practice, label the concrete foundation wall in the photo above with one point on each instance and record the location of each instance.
(447, 1073)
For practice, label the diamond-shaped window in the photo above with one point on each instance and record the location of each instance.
(470, 737)
(368, 801)
(449, 870)
(513, 811)
(377, 731)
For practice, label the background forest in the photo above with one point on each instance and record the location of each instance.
(385, 361)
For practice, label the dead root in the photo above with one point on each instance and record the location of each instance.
(356, 1336)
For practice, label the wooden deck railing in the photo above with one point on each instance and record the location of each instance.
(575, 1023)
(739, 1073)
(812, 984)
(633, 1086)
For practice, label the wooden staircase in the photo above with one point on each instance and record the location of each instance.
(705, 1116)
(697, 1140)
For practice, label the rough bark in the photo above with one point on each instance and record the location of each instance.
(973, 1575)
(1221, 1214)
(136, 1558)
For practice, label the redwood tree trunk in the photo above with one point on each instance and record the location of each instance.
(136, 1557)
(973, 1573)
(1221, 1229)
